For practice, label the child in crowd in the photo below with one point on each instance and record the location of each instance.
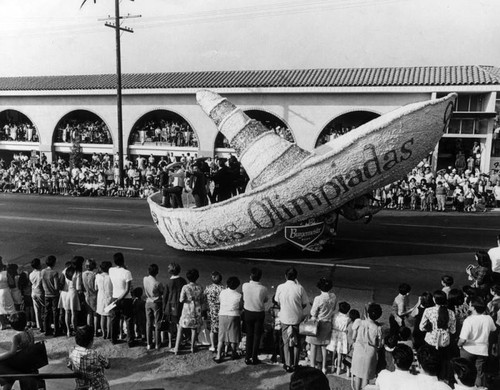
(87, 362)
(353, 316)
(405, 336)
(413, 199)
(139, 308)
(338, 340)
(430, 199)
(400, 308)
(390, 342)
(446, 281)
(274, 310)
(25, 288)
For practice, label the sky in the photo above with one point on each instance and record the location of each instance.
(57, 37)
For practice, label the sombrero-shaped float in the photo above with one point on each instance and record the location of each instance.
(289, 186)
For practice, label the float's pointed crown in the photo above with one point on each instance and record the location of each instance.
(208, 100)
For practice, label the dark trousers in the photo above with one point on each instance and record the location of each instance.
(124, 308)
(176, 196)
(51, 315)
(254, 328)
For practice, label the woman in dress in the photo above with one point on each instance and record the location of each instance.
(424, 301)
(338, 344)
(191, 297)
(104, 296)
(322, 310)
(173, 306)
(212, 293)
(13, 280)
(367, 334)
(231, 304)
(88, 278)
(6, 301)
(71, 302)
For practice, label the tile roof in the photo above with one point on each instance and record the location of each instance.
(347, 77)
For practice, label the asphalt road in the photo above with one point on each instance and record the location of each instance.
(413, 247)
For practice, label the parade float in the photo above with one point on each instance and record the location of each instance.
(295, 195)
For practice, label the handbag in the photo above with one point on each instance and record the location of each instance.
(163, 324)
(30, 358)
(308, 327)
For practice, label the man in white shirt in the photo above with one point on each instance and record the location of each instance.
(429, 360)
(292, 299)
(401, 377)
(474, 336)
(121, 279)
(254, 299)
(494, 254)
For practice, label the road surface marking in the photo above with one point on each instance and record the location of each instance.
(434, 245)
(440, 227)
(106, 246)
(75, 221)
(94, 209)
(307, 263)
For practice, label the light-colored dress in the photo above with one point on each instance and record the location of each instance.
(323, 309)
(6, 301)
(104, 293)
(191, 296)
(212, 293)
(338, 340)
(71, 301)
(364, 356)
(88, 278)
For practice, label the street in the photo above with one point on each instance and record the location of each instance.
(397, 246)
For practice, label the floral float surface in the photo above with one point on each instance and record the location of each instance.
(294, 194)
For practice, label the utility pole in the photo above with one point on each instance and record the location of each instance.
(117, 26)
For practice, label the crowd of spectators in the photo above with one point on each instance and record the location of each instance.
(171, 133)
(467, 190)
(88, 132)
(98, 175)
(18, 131)
(448, 339)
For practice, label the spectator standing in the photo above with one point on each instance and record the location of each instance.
(173, 305)
(441, 192)
(481, 273)
(494, 254)
(292, 299)
(424, 301)
(367, 335)
(37, 295)
(474, 337)
(430, 362)
(338, 341)
(104, 289)
(191, 298)
(71, 302)
(231, 303)
(13, 281)
(121, 279)
(254, 300)
(400, 308)
(51, 287)
(446, 282)
(322, 310)
(154, 291)
(88, 363)
(400, 378)
(88, 279)
(139, 313)
(442, 325)
(212, 293)
(6, 301)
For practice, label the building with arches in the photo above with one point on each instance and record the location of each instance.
(309, 107)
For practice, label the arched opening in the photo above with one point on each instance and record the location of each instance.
(15, 126)
(82, 126)
(343, 124)
(269, 120)
(163, 128)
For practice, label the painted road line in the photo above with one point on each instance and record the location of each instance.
(76, 221)
(433, 245)
(441, 227)
(106, 246)
(306, 263)
(94, 209)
